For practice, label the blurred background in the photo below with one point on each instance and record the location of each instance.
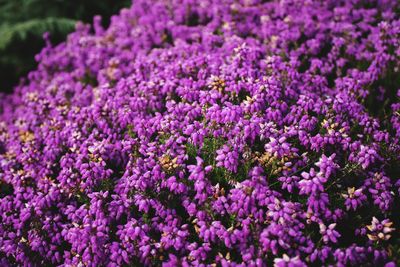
(23, 22)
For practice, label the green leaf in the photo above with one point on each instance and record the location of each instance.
(21, 30)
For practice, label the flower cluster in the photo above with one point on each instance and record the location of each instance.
(379, 230)
(209, 133)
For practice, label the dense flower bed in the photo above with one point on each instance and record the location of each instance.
(209, 132)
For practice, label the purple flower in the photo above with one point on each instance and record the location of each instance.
(286, 261)
(329, 234)
(380, 230)
(312, 182)
(204, 132)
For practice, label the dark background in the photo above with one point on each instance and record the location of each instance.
(23, 22)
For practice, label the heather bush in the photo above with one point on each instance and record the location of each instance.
(23, 22)
(209, 133)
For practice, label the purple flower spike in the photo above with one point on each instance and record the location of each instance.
(208, 133)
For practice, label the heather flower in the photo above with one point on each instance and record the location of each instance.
(227, 158)
(286, 261)
(201, 133)
(312, 182)
(366, 156)
(327, 166)
(354, 198)
(380, 188)
(380, 231)
(328, 233)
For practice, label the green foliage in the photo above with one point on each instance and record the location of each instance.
(208, 153)
(23, 22)
(21, 31)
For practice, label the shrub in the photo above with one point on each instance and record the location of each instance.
(209, 132)
(23, 22)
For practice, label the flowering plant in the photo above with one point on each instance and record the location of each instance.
(232, 133)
